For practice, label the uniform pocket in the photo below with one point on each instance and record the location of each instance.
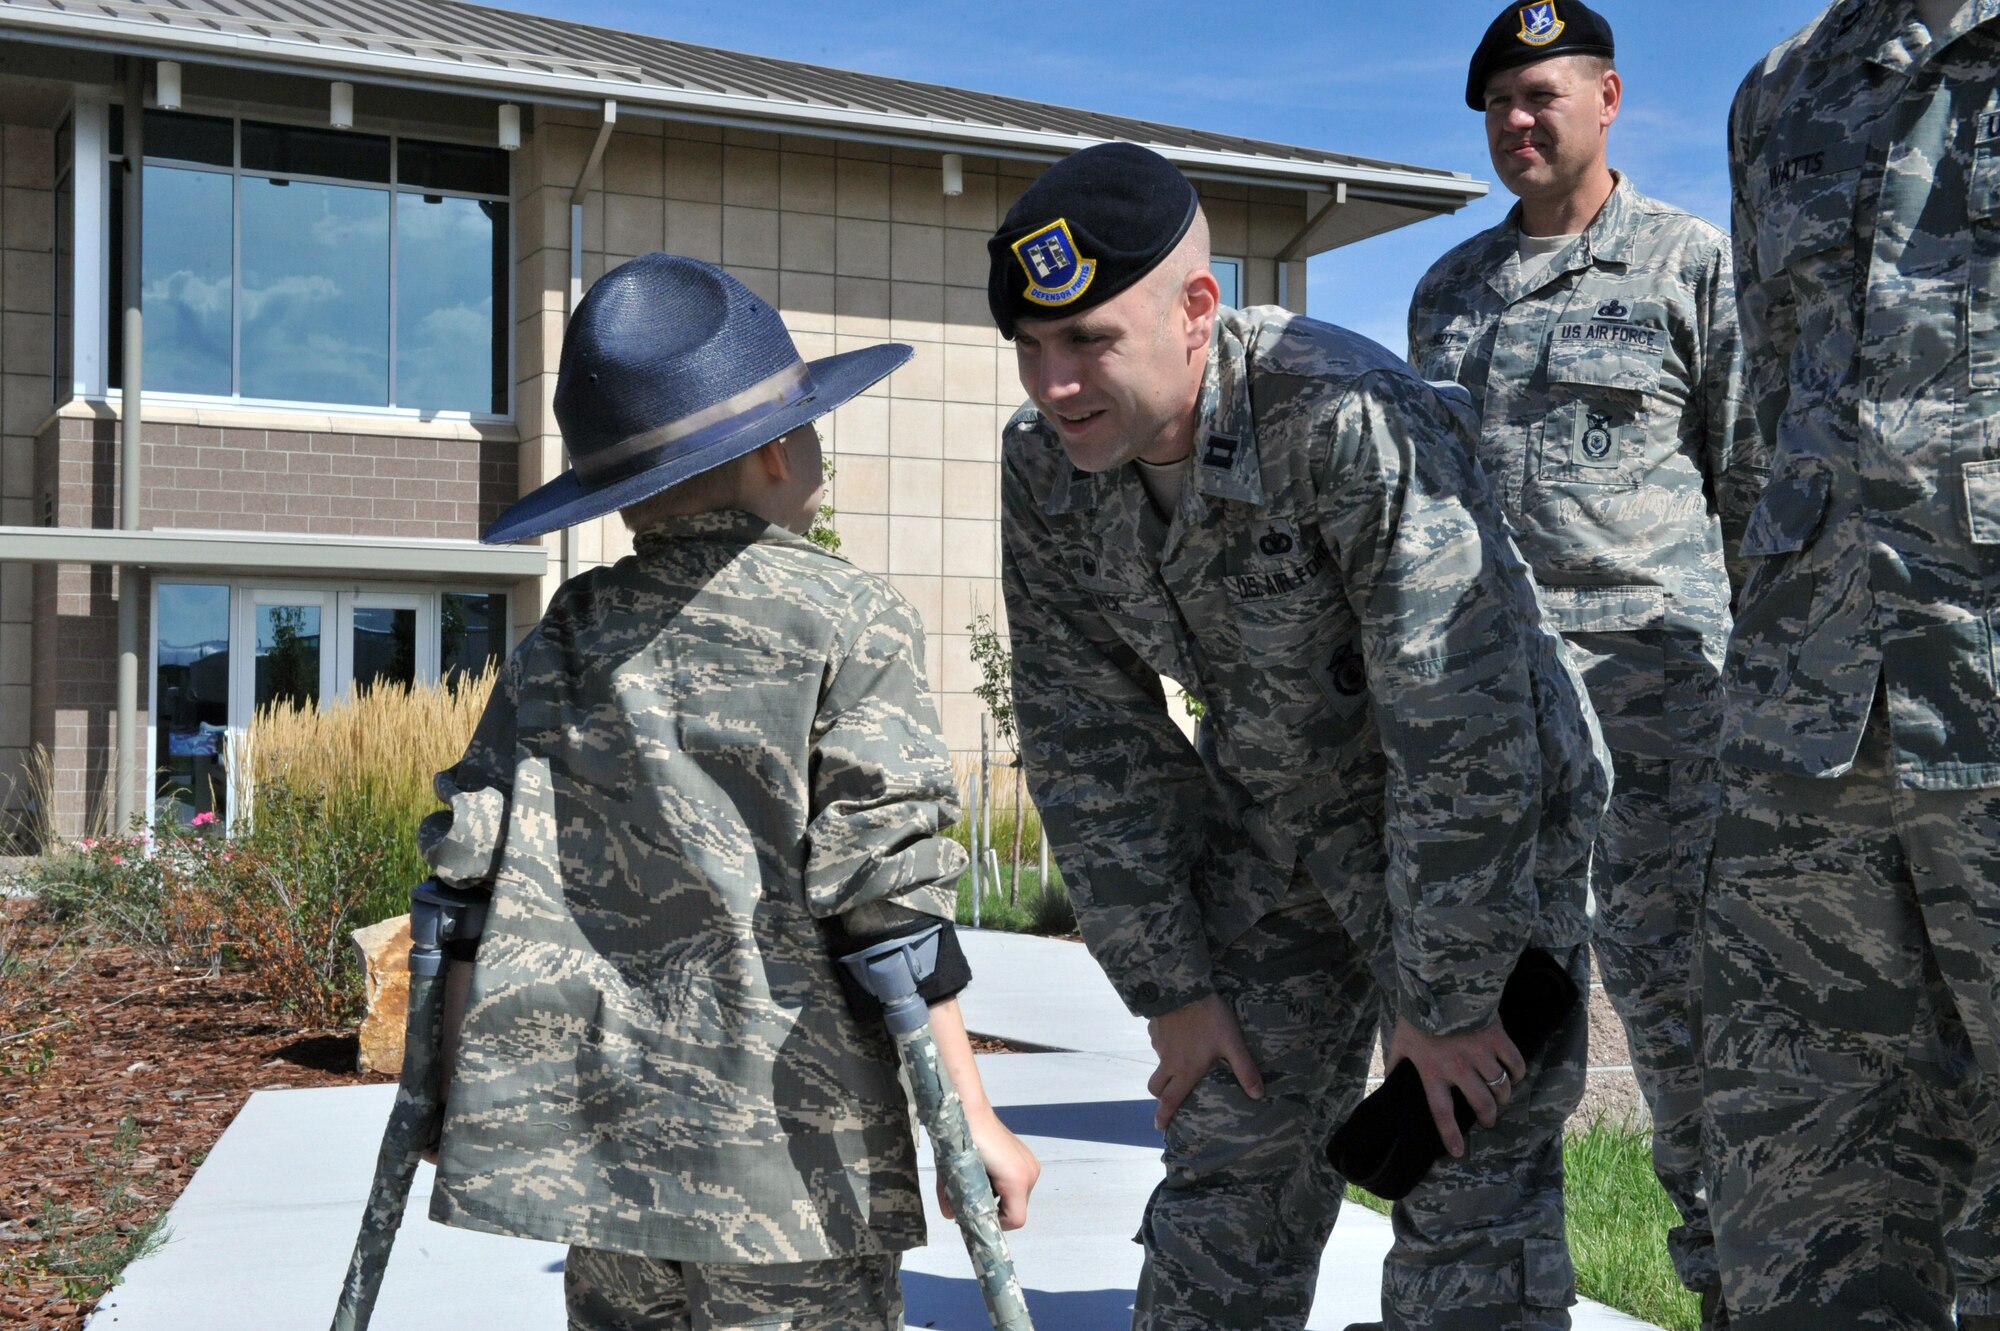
(1594, 435)
(1982, 274)
(1982, 501)
(1812, 216)
(1618, 642)
(1548, 1279)
(1777, 595)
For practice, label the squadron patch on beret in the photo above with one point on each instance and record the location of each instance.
(1522, 34)
(1057, 274)
(1540, 24)
(1092, 225)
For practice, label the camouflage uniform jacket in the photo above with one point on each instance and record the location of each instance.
(1337, 586)
(1616, 428)
(1865, 174)
(699, 755)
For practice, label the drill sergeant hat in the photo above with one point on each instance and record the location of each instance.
(1524, 34)
(670, 368)
(1091, 226)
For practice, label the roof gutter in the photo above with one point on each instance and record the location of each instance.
(270, 553)
(896, 129)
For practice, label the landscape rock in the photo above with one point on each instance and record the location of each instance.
(385, 960)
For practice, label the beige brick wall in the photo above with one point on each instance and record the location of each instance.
(854, 244)
(27, 232)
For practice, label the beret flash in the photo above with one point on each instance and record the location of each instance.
(1088, 228)
(1524, 34)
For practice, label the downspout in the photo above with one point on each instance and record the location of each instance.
(130, 418)
(571, 555)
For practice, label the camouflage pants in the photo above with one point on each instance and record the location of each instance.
(1650, 869)
(1234, 1234)
(1851, 986)
(608, 1291)
(1481, 1244)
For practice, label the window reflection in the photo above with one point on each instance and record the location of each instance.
(191, 699)
(451, 340)
(315, 292)
(385, 647)
(273, 287)
(187, 295)
(287, 655)
(472, 633)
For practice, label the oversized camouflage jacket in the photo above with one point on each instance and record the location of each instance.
(1865, 179)
(1337, 586)
(699, 755)
(1616, 428)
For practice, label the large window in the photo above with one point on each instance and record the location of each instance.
(296, 264)
(223, 650)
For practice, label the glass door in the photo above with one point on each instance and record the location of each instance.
(290, 659)
(385, 638)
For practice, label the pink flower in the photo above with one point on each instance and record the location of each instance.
(117, 859)
(204, 818)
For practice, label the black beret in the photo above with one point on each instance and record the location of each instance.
(1091, 226)
(1524, 34)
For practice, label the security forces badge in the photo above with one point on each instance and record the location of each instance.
(1057, 274)
(1540, 24)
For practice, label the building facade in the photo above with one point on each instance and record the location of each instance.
(358, 243)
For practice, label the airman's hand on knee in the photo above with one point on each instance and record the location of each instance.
(1189, 1041)
(1484, 1065)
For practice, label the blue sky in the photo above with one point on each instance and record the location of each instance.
(1376, 79)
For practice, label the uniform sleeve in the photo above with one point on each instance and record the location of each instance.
(882, 789)
(1118, 786)
(463, 842)
(1737, 458)
(1765, 306)
(1439, 592)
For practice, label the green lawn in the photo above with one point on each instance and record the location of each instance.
(1618, 1223)
(1035, 912)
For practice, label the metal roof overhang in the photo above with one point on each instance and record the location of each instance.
(274, 553)
(1401, 196)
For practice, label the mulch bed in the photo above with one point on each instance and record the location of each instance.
(124, 1037)
(177, 1052)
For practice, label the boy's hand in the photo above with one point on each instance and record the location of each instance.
(1484, 1065)
(1009, 1164)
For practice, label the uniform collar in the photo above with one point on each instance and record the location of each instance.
(1608, 239)
(729, 525)
(1225, 443)
(1883, 32)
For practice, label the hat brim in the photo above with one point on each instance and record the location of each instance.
(566, 501)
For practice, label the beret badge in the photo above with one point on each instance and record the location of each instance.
(1539, 23)
(1057, 274)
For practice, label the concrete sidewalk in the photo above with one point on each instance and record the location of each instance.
(261, 1236)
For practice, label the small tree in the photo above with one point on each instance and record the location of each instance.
(821, 533)
(996, 690)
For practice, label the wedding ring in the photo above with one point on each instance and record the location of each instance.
(1502, 1079)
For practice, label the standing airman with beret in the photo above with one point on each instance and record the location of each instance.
(1852, 945)
(1596, 331)
(1393, 792)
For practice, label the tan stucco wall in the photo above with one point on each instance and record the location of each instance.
(854, 244)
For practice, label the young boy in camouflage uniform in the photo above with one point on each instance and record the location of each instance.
(710, 770)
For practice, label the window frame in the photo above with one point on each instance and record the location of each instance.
(111, 159)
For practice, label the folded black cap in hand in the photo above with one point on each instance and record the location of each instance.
(1391, 1141)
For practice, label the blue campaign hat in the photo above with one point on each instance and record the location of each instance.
(671, 367)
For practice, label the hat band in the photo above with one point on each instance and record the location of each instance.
(736, 412)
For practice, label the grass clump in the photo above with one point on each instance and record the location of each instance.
(1037, 908)
(87, 1246)
(1618, 1221)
